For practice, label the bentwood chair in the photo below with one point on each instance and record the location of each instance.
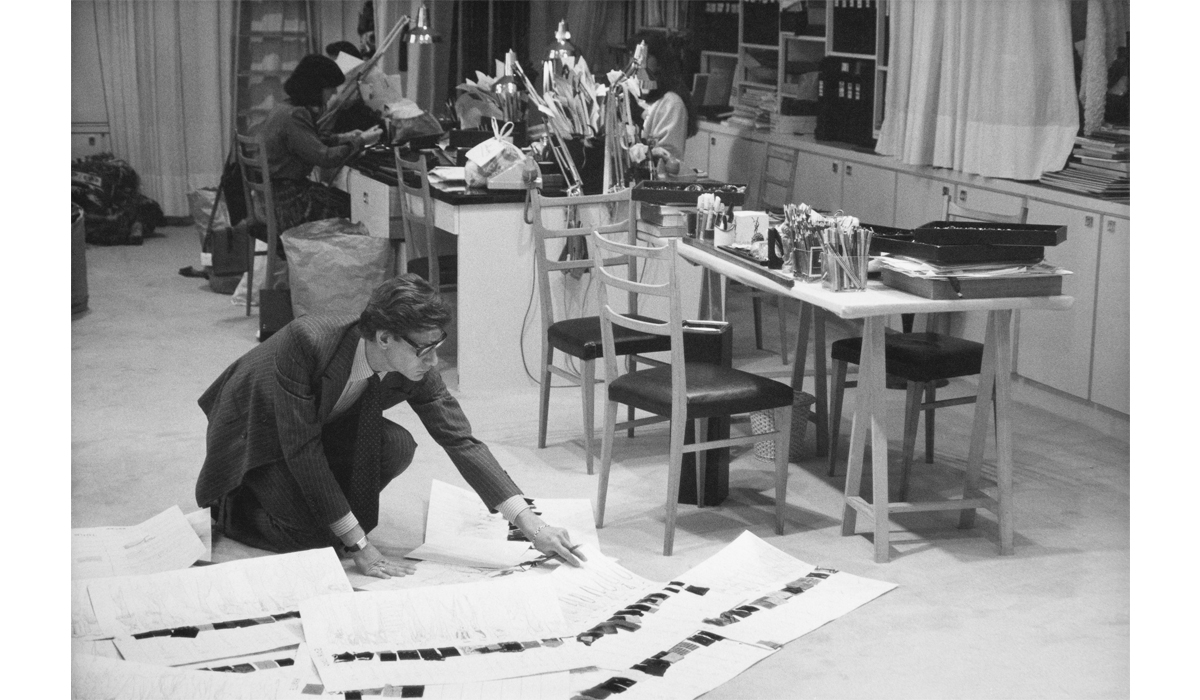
(919, 362)
(260, 207)
(420, 246)
(561, 247)
(683, 391)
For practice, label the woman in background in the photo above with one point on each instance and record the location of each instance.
(294, 146)
(668, 119)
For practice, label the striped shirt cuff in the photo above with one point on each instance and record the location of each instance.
(512, 507)
(344, 524)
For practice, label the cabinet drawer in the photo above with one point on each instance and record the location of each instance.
(989, 201)
(372, 204)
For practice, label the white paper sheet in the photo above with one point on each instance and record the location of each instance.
(456, 513)
(693, 670)
(201, 522)
(293, 660)
(98, 677)
(211, 645)
(466, 617)
(472, 551)
(243, 589)
(84, 624)
(430, 573)
(162, 543)
(590, 594)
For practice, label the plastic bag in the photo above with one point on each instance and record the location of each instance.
(489, 158)
(333, 266)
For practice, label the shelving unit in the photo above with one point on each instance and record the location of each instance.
(269, 40)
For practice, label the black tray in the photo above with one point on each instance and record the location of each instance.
(901, 242)
(686, 193)
(987, 233)
(746, 262)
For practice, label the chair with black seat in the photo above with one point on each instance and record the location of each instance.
(420, 245)
(580, 337)
(918, 362)
(683, 391)
(260, 208)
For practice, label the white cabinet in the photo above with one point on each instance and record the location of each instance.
(919, 199)
(740, 160)
(1110, 359)
(373, 204)
(818, 182)
(695, 154)
(720, 146)
(1055, 347)
(830, 184)
(869, 193)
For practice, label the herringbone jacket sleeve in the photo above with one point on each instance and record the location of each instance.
(443, 417)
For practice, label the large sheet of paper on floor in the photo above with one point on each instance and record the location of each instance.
(772, 597)
(458, 515)
(94, 677)
(211, 612)
(449, 634)
(163, 543)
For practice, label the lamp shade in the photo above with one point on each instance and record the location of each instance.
(420, 33)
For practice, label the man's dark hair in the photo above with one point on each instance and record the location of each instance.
(332, 50)
(404, 304)
(313, 74)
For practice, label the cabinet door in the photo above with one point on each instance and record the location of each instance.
(719, 148)
(989, 201)
(919, 199)
(370, 204)
(695, 154)
(819, 182)
(1110, 360)
(746, 161)
(1055, 347)
(869, 193)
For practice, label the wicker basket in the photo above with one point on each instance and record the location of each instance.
(762, 422)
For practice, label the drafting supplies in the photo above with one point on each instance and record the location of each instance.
(974, 287)
(166, 541)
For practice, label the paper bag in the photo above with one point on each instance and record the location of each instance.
(333, 265)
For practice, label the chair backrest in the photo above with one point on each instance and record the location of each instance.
(256, 182)
(673, 327)
(416, 208)
(608, 213)
(951, 209)
(778, 178)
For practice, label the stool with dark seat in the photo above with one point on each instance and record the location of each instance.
(922, 360)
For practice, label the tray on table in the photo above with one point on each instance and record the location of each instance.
(986, 233)
(896, 241)
(685, 194)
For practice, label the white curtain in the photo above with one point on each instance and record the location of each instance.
(984, 87)
(166, 70)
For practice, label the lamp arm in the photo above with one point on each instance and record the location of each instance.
(354, 77)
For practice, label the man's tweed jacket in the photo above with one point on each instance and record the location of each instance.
(267, 410)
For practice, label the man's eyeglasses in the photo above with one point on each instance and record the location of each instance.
(423, 350)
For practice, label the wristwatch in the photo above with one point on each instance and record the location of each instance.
(356, 547)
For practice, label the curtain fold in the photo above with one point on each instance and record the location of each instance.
(981, 87)
(166, 71)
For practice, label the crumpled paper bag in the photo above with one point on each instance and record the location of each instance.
(333, 266)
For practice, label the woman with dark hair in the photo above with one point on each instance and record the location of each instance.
(294, 146)
(668, 119)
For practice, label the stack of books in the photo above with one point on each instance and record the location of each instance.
(1098, 166)
(754, 108)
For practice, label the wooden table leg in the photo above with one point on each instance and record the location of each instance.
(979, 430)
(869, 415)
(810, 315)
(1002, 322)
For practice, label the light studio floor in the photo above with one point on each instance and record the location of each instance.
(1052, 621)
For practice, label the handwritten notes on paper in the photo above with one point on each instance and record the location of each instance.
(165, 542)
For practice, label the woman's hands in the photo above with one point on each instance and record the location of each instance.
(370, 562)
(362, 139)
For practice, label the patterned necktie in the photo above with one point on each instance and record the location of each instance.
(364, 477)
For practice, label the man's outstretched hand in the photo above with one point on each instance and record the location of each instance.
(371, 562)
